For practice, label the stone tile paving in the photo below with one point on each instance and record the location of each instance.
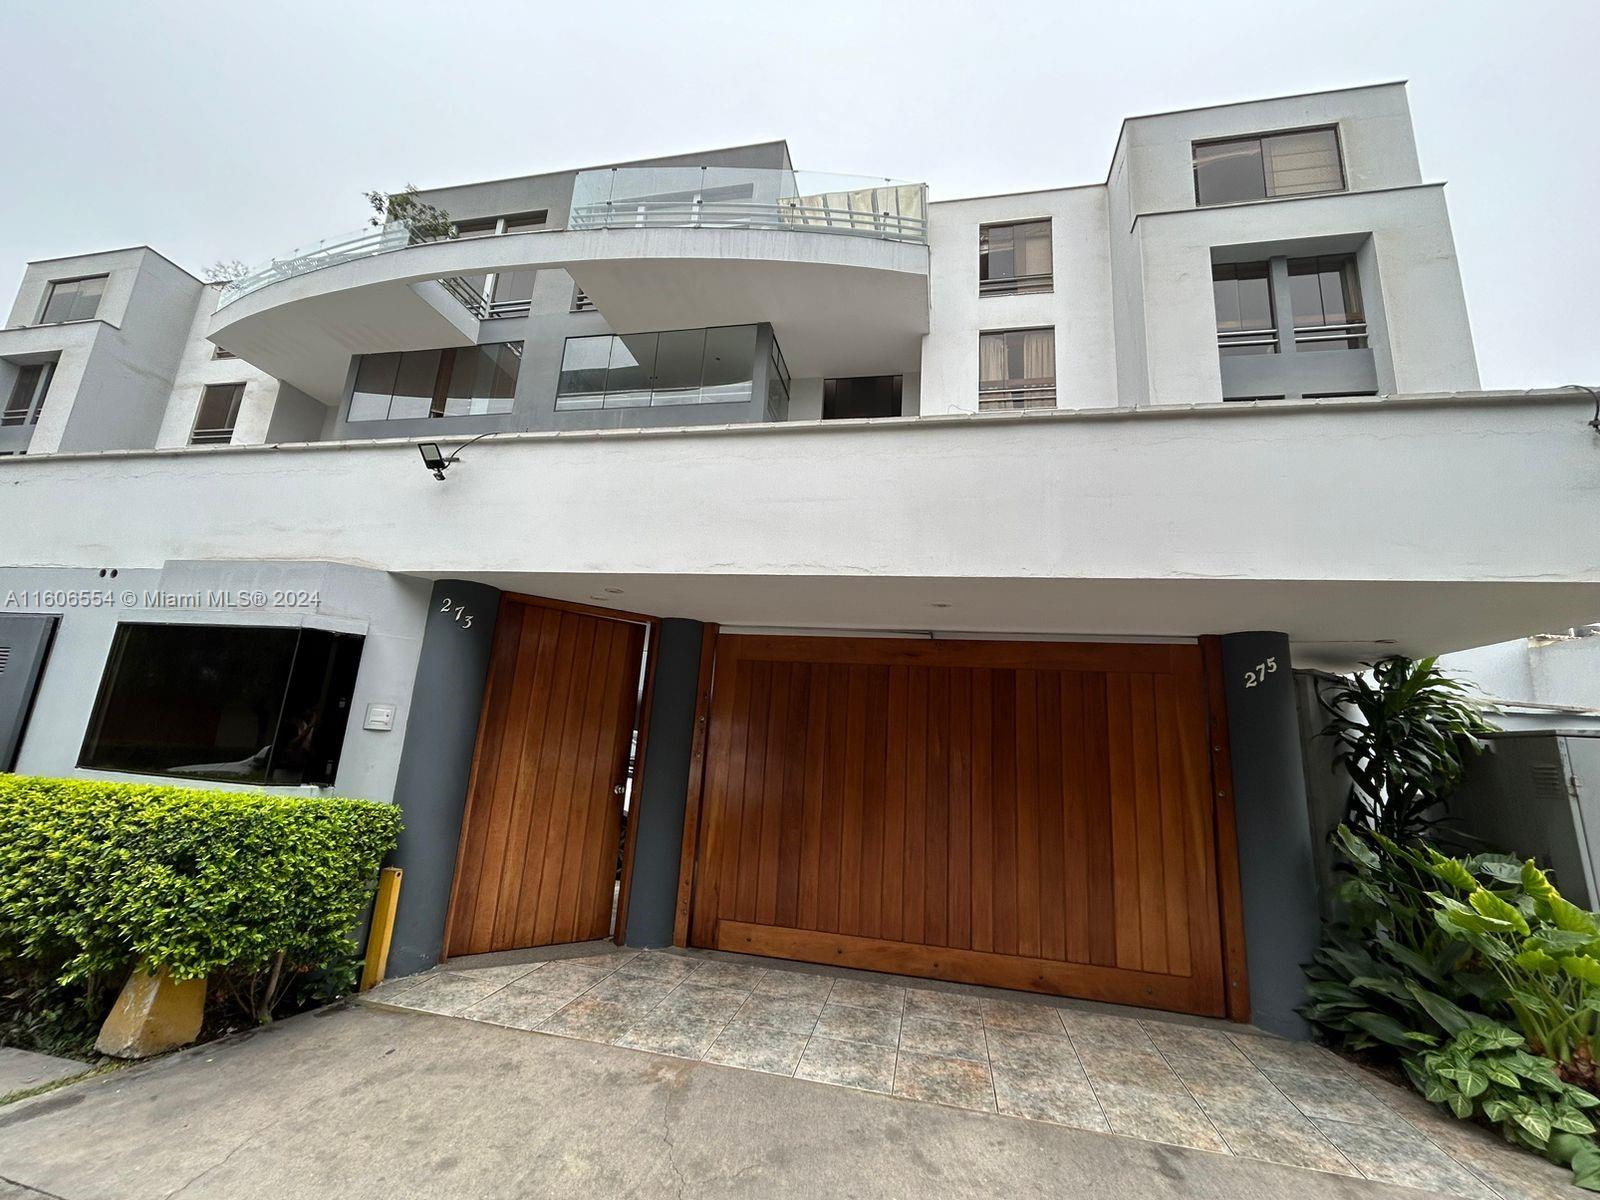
(1205, 1085)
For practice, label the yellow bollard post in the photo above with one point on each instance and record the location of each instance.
(379, 936)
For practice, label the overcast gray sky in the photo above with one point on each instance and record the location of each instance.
(224, 130)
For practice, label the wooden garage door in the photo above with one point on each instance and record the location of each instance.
(538, 853)
(1027, 815)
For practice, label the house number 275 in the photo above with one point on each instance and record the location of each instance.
(458, 612)
(1257, 675)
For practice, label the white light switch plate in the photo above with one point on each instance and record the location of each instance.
(379, 716)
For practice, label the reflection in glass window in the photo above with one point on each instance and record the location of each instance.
(635, 370)
(1299, 163)
(419, 384)
(72, 300)
(1243, 295)
(1326, 303)
(1014, 259)
(246, 704)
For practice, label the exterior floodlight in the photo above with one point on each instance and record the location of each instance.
(438, 462)
(433, 458)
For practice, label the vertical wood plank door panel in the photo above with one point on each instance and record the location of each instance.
(539, 840)
(1034, 815)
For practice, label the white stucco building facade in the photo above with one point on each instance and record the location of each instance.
(1221, 406)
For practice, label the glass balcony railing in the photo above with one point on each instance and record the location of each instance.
(749, 198)
(664, 197)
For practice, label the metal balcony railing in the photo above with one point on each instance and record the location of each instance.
(1254, 341)
(1352, 333)
(997, 398)
(671, 197)
(480, 305)
(749, 198)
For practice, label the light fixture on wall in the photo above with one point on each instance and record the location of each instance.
(435, 459)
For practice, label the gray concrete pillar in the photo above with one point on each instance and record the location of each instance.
(1277, 866)
(658, 832)
(436, 763)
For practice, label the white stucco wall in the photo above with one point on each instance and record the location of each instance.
(1104, 521)
(1563, 671)
(389, 612)
(198, 368)
(1375, 134)
(1078, 308)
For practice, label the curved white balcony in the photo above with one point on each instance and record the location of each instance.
(842, 276)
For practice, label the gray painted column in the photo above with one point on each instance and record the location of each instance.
(1277, 868)
(658, 836)
(436, 763)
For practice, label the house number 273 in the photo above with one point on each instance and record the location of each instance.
(1257, 675)
(458, 612)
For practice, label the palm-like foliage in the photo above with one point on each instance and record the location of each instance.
(1405, 731)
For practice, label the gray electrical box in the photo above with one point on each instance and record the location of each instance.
(24, 645)
(1537, 795)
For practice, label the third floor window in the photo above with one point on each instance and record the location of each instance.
(1298, 163)
(1014, 259)
(72, 300)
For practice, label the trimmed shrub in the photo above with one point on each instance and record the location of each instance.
(95, 876)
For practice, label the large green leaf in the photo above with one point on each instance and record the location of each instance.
(1386, 1029)
(1490, 905)
(1451, 1017)
(1582, 967)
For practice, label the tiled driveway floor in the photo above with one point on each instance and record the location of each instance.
(1199, 1084)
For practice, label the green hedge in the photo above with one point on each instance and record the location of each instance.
(94, 876)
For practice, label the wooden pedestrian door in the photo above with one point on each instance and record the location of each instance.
(1024, 815)
(537, 861)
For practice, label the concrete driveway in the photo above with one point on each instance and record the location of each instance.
(361, 1101)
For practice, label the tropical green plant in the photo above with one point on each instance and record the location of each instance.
(1545, 951)
(95, 876)
(1387, 973)
(1430, 958)
(426, 222)
(1485, 1071)
(1405, 731)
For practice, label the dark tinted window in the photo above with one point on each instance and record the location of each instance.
(866, 396)
(1327, 303)
(465, 381)
(72, 300)
(1243, 295)
(1014, 259)
(238, 703)
(218, 413)
(28, 391)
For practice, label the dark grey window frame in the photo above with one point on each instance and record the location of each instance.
(441, 374)
(1013, 392)
(40, 393)
(757, 370)
(50, 293)
(1014, 284)
(1263, 136)
(217, 435)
